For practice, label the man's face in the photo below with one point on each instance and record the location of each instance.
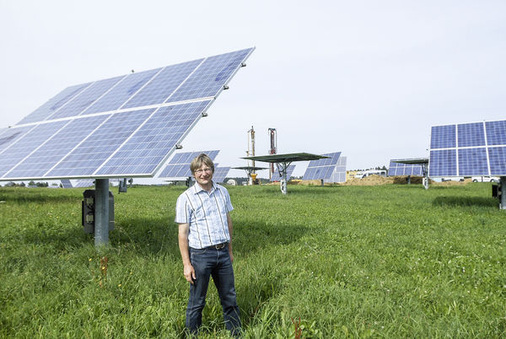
(203, 176)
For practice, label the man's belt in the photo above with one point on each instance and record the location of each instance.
(219, 246)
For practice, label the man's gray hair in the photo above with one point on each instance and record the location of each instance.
(201, 159)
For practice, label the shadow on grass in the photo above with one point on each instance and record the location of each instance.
(27, 195)
(465, 201)
(142, 236)
(146, 235)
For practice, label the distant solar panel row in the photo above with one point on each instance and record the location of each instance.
(404, 169)
(470, 149)
(120, 127)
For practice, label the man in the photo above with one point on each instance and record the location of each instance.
(205, 234)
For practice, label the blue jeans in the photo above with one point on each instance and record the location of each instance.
(216, 263)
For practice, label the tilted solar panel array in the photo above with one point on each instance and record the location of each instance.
(289, 171)
(325, 169)
(469, 149)
(179, 165)
(124, 126)
(396, 168)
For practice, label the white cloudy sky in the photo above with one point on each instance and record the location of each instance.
(367, 78)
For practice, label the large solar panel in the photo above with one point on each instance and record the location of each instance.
(179, 165)
(397, 168)
(468, 149)
(125, 126)
(327, 169)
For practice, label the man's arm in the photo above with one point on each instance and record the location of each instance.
(230, 230)
(189, 272)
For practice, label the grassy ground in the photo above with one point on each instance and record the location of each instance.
(392, 261)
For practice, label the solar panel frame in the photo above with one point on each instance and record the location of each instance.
(477, 149)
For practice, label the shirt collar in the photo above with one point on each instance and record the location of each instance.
(197, 189)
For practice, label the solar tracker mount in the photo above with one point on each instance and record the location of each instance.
(470, 149)
(282, 162)
(125, 126)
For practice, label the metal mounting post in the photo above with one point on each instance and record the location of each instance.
(282, 168)
(101, 212)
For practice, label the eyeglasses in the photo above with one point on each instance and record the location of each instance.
(202, 170)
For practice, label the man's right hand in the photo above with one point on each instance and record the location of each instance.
(189, 274)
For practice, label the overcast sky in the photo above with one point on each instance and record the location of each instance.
(367, 78)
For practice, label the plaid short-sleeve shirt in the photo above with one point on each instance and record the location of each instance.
(206, 213)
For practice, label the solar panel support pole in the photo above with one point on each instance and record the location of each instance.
(101, 212)
(425, 179)
(283, 168)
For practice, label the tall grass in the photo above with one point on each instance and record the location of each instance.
(391, 261)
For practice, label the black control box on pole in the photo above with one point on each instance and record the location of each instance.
(88, 211)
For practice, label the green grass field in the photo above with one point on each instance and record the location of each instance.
(392, 261)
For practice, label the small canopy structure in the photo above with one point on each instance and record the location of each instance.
(282, 162)
(250, 170)
(424, 162)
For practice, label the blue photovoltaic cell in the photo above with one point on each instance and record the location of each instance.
(473, 161)
(125, 126)
(122, 91)
(56, 147)
(101, 144)
(479, 150)
(497, 157)
(153, 142)
(24, 146)
(179, 165)
(83, 100)
(163, 85)
(443, 137)
(471, 135)
(209, 78)
(322, 168)
(289, 171)
(443, 163)
(496, 132)
(50, 107)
